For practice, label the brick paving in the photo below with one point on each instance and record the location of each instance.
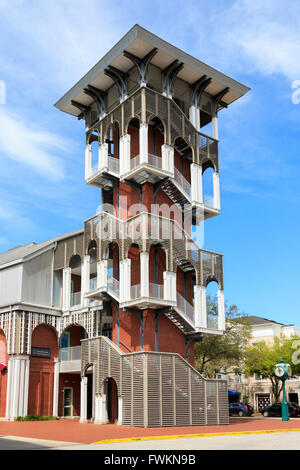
(73, 431)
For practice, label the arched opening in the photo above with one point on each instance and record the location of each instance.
(156, 138)
(133, 131)
(208, 183)
(212, 304)
(183, 157)
(92, 252)
(3, 373)
(157, 267)
(44, 349)
(75, 265)
(69, 381)
(113, 268)
(110, 389)
(185, 282)
(135, 256)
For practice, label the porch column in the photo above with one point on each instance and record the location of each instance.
(144, 268)
(125, 280)
(221, 310)
(18, 385)
(66, 289)
(125, 154)
(215, 130)
(200, 307)
(196, 183)
(102, 274)
(143, 142)
(170, 286)
(56, 387)
(216, 182)
(167, 153)
(83, 400)
(88, 161)
(85, 279)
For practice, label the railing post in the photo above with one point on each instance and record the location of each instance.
(144, 267)
(196, 183)
(88, 161)
(216, 182)
(170, 286)
(143, 142)
(167, 153)
(66, 289)
(221, 310)
(103, 157)
(125, 154)
(200, 307)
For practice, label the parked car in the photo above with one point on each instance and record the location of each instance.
(275, 410)
(240, 409)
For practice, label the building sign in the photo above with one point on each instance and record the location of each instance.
(41, 352)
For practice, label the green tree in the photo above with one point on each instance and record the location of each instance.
(261, 357)
(223, 353)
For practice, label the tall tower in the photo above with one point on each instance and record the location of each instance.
(151, 119)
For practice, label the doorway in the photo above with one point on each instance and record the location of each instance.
(112, 400)
(68, 402)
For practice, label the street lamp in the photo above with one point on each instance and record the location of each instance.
(283, 372)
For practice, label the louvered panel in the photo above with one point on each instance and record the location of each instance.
(167, 391)
(138, 390)
(211, 402)
(154, 390)
(182, 393)
(223, 402)
(126, 390)
(198, 400)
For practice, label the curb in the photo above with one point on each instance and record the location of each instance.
(187, 436)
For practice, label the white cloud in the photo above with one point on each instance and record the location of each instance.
(23, 144)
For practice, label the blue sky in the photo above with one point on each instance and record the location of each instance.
(47, 45)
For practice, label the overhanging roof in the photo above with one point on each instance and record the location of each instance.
(139, 41)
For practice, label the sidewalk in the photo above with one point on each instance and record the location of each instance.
(72, 431)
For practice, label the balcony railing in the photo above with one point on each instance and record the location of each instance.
(75, 299)
(208, 200)
(156, 291)
(182, 182)
(93, 283)
(70, 354)
(135, 291)
(113, 164)
(113, 285)
(185, 308)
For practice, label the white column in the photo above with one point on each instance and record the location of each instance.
(120, 411)
(170, 286)
(167, 153)
(85, 279)
(215, 130)
(143, 142)
(83, 400)
(102, 274)
(88, 161)
(144, 270)
(66, 288)
(56, 387)
(195, 116)
(221, 310)
(125, 154)
(196, 183)
(103, 157)
(125, 280)
(200, 307)
(18, 385)
(216, 182)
